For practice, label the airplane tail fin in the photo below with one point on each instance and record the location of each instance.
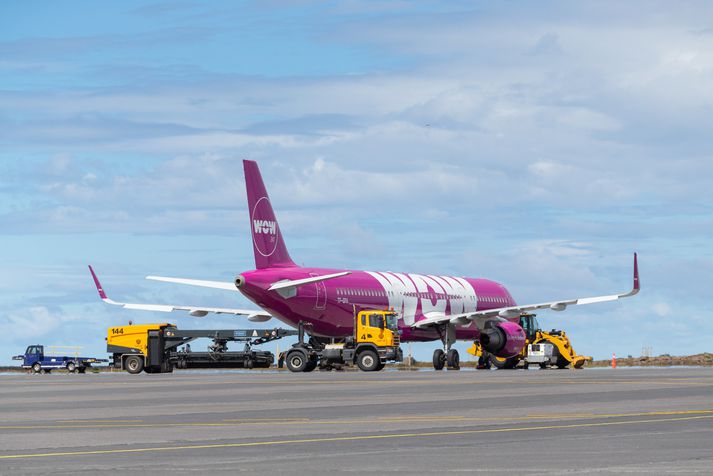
(268, 245)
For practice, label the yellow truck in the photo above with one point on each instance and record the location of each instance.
(375, 342)
(543, 348)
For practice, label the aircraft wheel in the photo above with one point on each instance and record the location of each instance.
(368, 360)
(71, 367)
(504, 363)
(453, 359)
(296, 361)
(134, 364)
(438, 359)
(36, 367)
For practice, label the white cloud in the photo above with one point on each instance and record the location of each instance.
(661, 309)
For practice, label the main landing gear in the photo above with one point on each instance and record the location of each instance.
(446, 357)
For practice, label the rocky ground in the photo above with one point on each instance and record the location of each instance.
(700, 360)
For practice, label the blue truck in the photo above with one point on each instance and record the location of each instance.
(35, 358)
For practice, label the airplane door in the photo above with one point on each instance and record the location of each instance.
(321, 292)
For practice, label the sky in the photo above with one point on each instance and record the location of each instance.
(539, 144)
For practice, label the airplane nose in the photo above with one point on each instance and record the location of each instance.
(239, 281)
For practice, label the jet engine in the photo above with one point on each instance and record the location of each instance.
(503, 339)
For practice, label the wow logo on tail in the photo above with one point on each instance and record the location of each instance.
(265, 234)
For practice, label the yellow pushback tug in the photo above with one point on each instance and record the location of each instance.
(154, 348)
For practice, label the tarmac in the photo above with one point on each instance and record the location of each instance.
(640, 421)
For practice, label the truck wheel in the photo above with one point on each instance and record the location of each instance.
(380, 367)
(453, 359)
(558, 360)
(134, 364)
(71, 367)
(249, 364)
(311, 365)
(36, 367)
(561, 362)
(296, 361)
(438, 359)
(82, 370)
(368, 360)
(504, 363)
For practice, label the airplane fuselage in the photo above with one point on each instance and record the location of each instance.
(328, 306)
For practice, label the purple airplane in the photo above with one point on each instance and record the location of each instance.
(430, 307)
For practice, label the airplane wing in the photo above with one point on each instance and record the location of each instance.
(482, 317)
(196, 282)
(197, 311)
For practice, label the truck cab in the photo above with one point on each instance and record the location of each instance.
(377, 327)
(374, 342)
(529, 324)
(33, 354)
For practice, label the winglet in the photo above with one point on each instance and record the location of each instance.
(102, 294)
(637, 283)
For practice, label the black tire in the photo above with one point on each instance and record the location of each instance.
(249, 364)
(82, 370)
(296, 361)
(311, 365)
(134, 364)
(438, 359)
(71, 367)
(484, 361)
(368, 360)
(381, 367)
(562, 363)
(453, 359)
(559, 361)
(504, 363)
(37, 367)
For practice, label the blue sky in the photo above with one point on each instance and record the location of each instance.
(538, 144)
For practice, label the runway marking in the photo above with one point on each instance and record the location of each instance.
(348, 438)
(386, 419)
(99, 421)
(267, 420)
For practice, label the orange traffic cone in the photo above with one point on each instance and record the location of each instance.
(613, 361)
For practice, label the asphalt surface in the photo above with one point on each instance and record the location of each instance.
(648, 421)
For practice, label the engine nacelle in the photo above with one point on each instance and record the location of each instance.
(504, 339)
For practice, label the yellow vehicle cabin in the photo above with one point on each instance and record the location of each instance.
(131, 339)
(377, 327)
